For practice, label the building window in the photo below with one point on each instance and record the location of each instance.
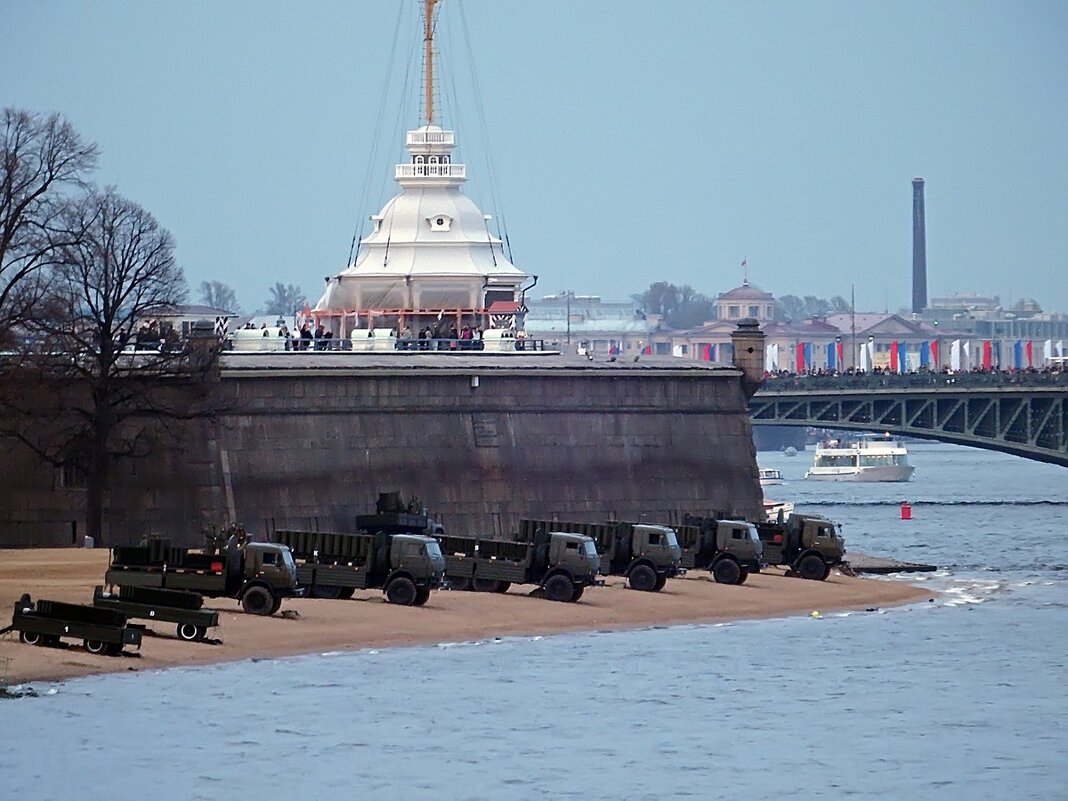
(733, 312)
(685, 349)
(754, 311)
(72, 473)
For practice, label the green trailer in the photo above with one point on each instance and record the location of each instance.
(562, 564)
(163, 606)
(102, 631)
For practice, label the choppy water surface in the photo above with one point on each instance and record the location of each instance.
(960, 698)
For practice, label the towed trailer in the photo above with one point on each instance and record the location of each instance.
(102, 631)
(165, 606)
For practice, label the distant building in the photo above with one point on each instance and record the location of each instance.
(598, 326)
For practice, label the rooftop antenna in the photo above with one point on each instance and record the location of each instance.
(428, 57)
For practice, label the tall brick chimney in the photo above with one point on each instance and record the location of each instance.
(919, 249)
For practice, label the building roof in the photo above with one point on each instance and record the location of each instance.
(746, 292)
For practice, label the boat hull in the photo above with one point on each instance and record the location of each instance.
(889, 473)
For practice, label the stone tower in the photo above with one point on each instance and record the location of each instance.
(747, 342)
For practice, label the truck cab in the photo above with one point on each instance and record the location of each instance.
(659, 545)
(575, 553)
(266, 561)
(419, 555)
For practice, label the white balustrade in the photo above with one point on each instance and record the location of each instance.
(431, 171)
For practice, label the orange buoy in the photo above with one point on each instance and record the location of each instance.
(906, 511)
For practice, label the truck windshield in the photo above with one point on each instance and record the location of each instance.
(589, 548)
(670, 539)
(287, 560)
(433, 549)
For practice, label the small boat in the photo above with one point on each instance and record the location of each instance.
(777, 511)
(769, 476)
(869, 457)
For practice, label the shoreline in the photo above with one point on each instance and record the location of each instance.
(367, 621)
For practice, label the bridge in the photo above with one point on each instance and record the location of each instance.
(1025, 414)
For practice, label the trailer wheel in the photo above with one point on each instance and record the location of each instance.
(503, 586)
(811, 567)
(346, 593)
(257, 601)
(485, 585)
(191, 632)
(95, 646)
(643, 578)
(459, 583)
(559, 588)
(422, 595)
(726, 571)
(401, 591)
(30, 637)
(577, 594)
(743, 577)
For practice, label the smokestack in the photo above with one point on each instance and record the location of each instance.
(919, 249)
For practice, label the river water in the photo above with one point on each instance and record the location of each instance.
(961, 698)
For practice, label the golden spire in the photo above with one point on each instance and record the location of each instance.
(428, 56)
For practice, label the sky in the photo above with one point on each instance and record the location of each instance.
(630, 142)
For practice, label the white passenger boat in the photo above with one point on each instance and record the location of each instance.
(777, 511)
(867, 458)
(769, 477)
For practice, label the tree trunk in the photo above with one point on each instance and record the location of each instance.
(96, 486)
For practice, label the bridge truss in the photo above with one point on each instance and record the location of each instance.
(1026, 421)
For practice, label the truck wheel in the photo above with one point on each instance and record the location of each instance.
(422, 595)
(30, 637)
(275, 606)
(257, 601)
(578, 593)
(743, 577)
(346, 593)
(503, 586)
(826, 572)
(322, 591)
(190, 632)
(559, 588)
(460, 583)
(726, 571)
(643, 578)
(95, 646)
(661, 582)
(485, 585)
(811, 567)
(401, 591)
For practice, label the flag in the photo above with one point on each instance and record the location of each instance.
(1047, 351)
(966, 357)
(934, 353)
(954, 356)
(808, 355)
(441, 314)
(706, 353)
(1060, 348)
(902, 364)
(1017, 354)
(925, 354)
(986, 354)
(893, 357)
(771, 358)
(831, 354)
(1030, 351)
(838, 355)
(799, 357)
(676, 350)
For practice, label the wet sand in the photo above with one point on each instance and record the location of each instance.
(368, 621)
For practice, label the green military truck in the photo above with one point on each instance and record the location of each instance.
(648, 555)
(810, 545)
(729, 549)
(561, 564)
(102, 631)
(162, 606)
(258, 574)
(407, 566)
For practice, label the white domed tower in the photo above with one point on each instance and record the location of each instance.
(430, 255)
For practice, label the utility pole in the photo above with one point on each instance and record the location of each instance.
(569, 319)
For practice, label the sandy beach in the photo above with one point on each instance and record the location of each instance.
(368, 621)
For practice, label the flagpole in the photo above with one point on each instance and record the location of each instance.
(853, 324)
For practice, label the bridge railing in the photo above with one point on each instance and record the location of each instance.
(927, 380)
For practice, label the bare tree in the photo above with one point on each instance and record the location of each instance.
(85, 396)
(284, 299)
(41, 157)
(219, 296)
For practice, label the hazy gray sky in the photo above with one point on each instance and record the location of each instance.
(631, 141)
